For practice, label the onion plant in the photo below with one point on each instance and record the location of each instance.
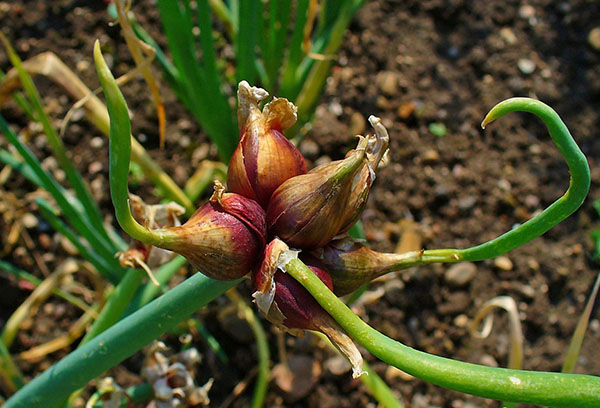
(284, 225)
(119, 341)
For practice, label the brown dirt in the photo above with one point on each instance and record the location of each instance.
(452, 61)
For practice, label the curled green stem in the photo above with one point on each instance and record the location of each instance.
(120, 152)
(555, 213)
(540, 388)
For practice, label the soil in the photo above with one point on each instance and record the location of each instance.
(414, 64)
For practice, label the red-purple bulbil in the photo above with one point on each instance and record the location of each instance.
(264, 157)
(288, 305)
(224, 238)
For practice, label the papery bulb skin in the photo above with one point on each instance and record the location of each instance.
(264, 157)
(351, 264)
(289, 306)
(305, 210)
(376, 156)
(224, 238)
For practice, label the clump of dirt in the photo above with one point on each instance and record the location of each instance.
(431, 70)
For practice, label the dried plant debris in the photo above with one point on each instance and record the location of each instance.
(172, 378)
(155, 216)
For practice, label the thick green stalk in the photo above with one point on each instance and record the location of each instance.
(540, 388)
(118, 343)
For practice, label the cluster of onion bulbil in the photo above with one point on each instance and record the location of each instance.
(274, 210)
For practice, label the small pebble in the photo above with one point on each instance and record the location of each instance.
(488, 360)
(309, 148)
(59, 175)
(68, 246)
(461, 321)
(29, 221)
(532, 201)
(594, 38)
(82, 65)
(382, 102)
(452, 52)
(184, 124)
(504, 185)
(184, 141)
(335, 108)
(460, 274)
(97, 142)
(95, 167)
(407, 109)
(466, 203)
(421, 401)
(45, 241)
(456, 303)
(503, 263)
(337, 365)
(431, 156)
(533, 264)
(508, 36)
(387, 81)
(528, 291)
(526, 66)
(437, 129)
(526, 11)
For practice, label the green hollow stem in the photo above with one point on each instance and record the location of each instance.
(559, 210)
(540, 388)
(118, 342)
(313, 85)
(120, 153)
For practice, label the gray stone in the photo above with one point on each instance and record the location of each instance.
(460, 274)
